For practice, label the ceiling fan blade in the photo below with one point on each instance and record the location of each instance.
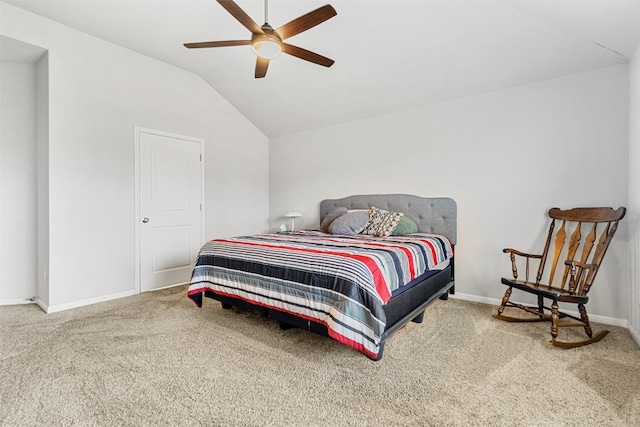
(304, 22)
(261, 67)
(217, 44)
(241, 16)
(307, 55)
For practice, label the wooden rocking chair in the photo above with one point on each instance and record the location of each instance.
(580, 269)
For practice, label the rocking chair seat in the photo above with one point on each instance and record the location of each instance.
(546, 291)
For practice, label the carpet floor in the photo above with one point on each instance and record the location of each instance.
(155, 359)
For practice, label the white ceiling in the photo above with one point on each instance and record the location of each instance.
(390, 55)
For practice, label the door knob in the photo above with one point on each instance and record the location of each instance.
(145, 220)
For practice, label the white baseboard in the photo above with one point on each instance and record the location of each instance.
(606, 320)
(476, 298)
(458, 295)
(16, 301)
(42, 305)
(166, 287)
(76, 304)
(636, 335)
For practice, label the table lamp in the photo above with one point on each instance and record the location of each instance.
(293, 215)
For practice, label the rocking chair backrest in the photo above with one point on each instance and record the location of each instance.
(590, 231)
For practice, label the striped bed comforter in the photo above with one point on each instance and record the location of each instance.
(342, 282)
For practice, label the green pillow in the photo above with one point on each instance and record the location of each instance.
(405, 226)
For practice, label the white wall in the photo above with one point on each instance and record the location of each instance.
(506, 157)
(18, 182)
(97, 93)
(42, 178)
(634, 194)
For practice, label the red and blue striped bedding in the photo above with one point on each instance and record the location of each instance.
(340, 281)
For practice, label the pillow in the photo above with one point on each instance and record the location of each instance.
(405, 226)
(330, 217)
(349, 224)
(381, 222)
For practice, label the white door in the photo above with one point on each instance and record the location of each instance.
(170, 179)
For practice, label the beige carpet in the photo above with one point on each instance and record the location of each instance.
(157, 360)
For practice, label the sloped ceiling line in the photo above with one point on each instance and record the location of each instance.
(429, 51)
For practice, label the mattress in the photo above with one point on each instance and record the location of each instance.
(430, 272)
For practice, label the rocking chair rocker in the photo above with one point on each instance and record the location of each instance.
(580, 269)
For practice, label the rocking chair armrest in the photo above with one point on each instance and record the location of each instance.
(579, 283)
(573, 264)
(520, 253)
(514, 267)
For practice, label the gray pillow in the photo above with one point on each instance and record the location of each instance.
(349, 224)
(331, 216)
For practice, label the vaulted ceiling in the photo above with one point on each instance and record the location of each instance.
(390, 55)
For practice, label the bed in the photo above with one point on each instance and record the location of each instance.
(358, 289)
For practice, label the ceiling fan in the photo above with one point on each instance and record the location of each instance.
(266, 42)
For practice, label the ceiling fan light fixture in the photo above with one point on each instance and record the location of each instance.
(266, 46)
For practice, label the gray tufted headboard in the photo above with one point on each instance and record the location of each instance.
(433, 215)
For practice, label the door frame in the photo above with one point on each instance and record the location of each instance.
(138, 130)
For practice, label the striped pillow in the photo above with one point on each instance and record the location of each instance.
(381, 222)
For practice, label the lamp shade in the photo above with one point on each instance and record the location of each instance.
(293, 214)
